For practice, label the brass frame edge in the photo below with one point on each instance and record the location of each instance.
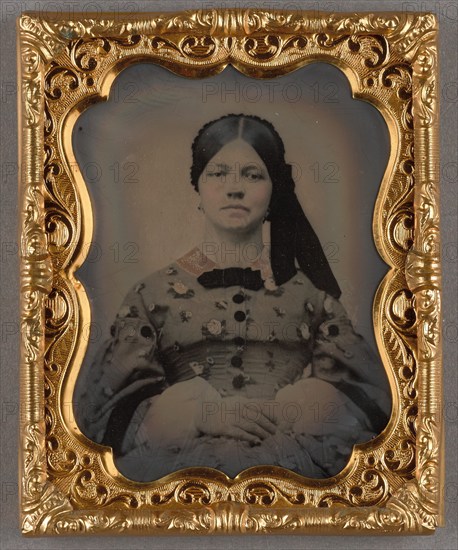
(417, 507)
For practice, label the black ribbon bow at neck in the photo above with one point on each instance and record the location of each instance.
(232, 276)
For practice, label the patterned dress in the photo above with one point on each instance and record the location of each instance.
(182, 354)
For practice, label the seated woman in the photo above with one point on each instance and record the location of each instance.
(238, 354)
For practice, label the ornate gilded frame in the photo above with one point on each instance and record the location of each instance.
(70, 485)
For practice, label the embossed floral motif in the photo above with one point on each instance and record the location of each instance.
(109, 392)
(279, 311)
(198, 368)
(214, 327)
(304, 331)
(138, 288)
(274, 290)
(157, 308)
(185, 316)
(176, 346)
(180, 290)
(328, 305)
(270, 365)
(328, 329)
(143, 353)
(272, 336)
(240, 380)
(307, 372)
(270, 284)
(128, 311)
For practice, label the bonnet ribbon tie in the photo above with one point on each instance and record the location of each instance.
(293, 238)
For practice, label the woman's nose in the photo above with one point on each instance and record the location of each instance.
(234, 186)
(232, 194)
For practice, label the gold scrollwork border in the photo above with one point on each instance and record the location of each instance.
(69, 485)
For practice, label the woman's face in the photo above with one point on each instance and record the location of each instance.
(235, 188)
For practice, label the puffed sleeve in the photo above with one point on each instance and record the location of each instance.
(343, 357)
(124, 373)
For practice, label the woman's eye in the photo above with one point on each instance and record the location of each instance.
(215, 174)
(253, 175)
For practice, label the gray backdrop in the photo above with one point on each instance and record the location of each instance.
(445, 538)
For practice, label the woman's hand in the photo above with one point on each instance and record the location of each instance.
(319, 410)
(235, 417)
(191, 407)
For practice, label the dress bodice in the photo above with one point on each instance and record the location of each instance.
(241, 339)
(247, 343)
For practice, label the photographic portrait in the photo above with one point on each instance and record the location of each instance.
(231, 272)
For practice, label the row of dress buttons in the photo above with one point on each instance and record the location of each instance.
(239, 316)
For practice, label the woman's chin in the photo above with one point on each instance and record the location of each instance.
(238, 228)
(239, 224)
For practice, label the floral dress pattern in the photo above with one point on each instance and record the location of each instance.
(178, 349)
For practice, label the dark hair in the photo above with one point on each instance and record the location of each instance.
(292, 236)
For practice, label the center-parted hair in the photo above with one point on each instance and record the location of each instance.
(258, 133)
(292, 237)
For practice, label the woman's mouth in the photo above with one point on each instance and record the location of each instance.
(236, 207)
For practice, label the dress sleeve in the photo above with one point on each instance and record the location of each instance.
(125, 372)
(343, 357)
